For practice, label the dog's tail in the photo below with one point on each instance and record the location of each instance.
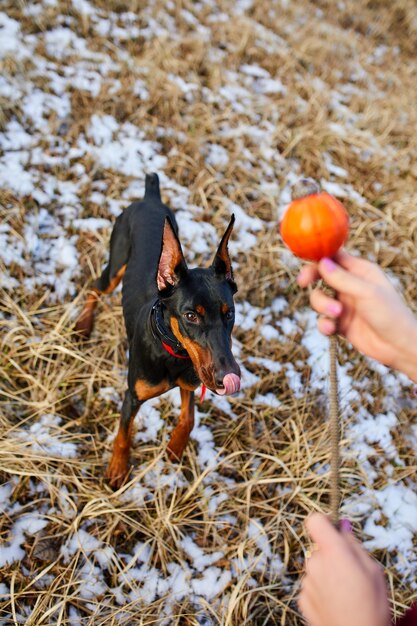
(152, 187)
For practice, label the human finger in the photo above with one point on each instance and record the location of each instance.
(322, 531)
(308, 275)
(355, 546)
(340, 279)
(326, 325)
(369, 564)
(361, 268)
(324, 304)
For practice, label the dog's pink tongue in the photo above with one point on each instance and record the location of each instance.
(231, 383)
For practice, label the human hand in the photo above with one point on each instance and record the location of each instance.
(368, 310)
(343, 585)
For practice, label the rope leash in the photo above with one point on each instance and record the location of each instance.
(334, 425)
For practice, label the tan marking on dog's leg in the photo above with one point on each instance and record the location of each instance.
(118, 469)
(181, 433)
(85, 322)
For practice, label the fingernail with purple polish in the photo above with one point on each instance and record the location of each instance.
(328, 264)
(345, 526)
(334, 308)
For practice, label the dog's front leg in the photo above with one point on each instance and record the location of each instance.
(118, 468)
(181, 432)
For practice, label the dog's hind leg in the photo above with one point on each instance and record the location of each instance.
(182, 430)
(110, 277)
(118, 468)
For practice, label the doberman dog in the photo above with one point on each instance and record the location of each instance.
(178, 320)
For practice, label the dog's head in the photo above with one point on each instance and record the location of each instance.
(200, 311)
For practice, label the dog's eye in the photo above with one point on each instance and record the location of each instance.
(230, 314)
(190, 316)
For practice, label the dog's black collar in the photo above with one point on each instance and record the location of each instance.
(164, 334)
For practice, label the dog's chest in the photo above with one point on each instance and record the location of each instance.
(185, 377)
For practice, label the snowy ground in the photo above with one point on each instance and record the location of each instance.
(230, 103)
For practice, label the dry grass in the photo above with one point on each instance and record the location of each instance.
(272, 462)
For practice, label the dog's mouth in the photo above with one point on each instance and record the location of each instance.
(231, 385)
(227, 386)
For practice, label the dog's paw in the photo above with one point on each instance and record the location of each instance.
(117, 472)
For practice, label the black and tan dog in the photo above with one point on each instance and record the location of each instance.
(178, 320)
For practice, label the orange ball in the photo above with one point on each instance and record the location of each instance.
(315, 226)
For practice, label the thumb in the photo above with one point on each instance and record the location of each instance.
(341, 280)
(321, 531)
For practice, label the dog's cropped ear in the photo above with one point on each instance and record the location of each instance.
(171, 261)
(222, 264)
